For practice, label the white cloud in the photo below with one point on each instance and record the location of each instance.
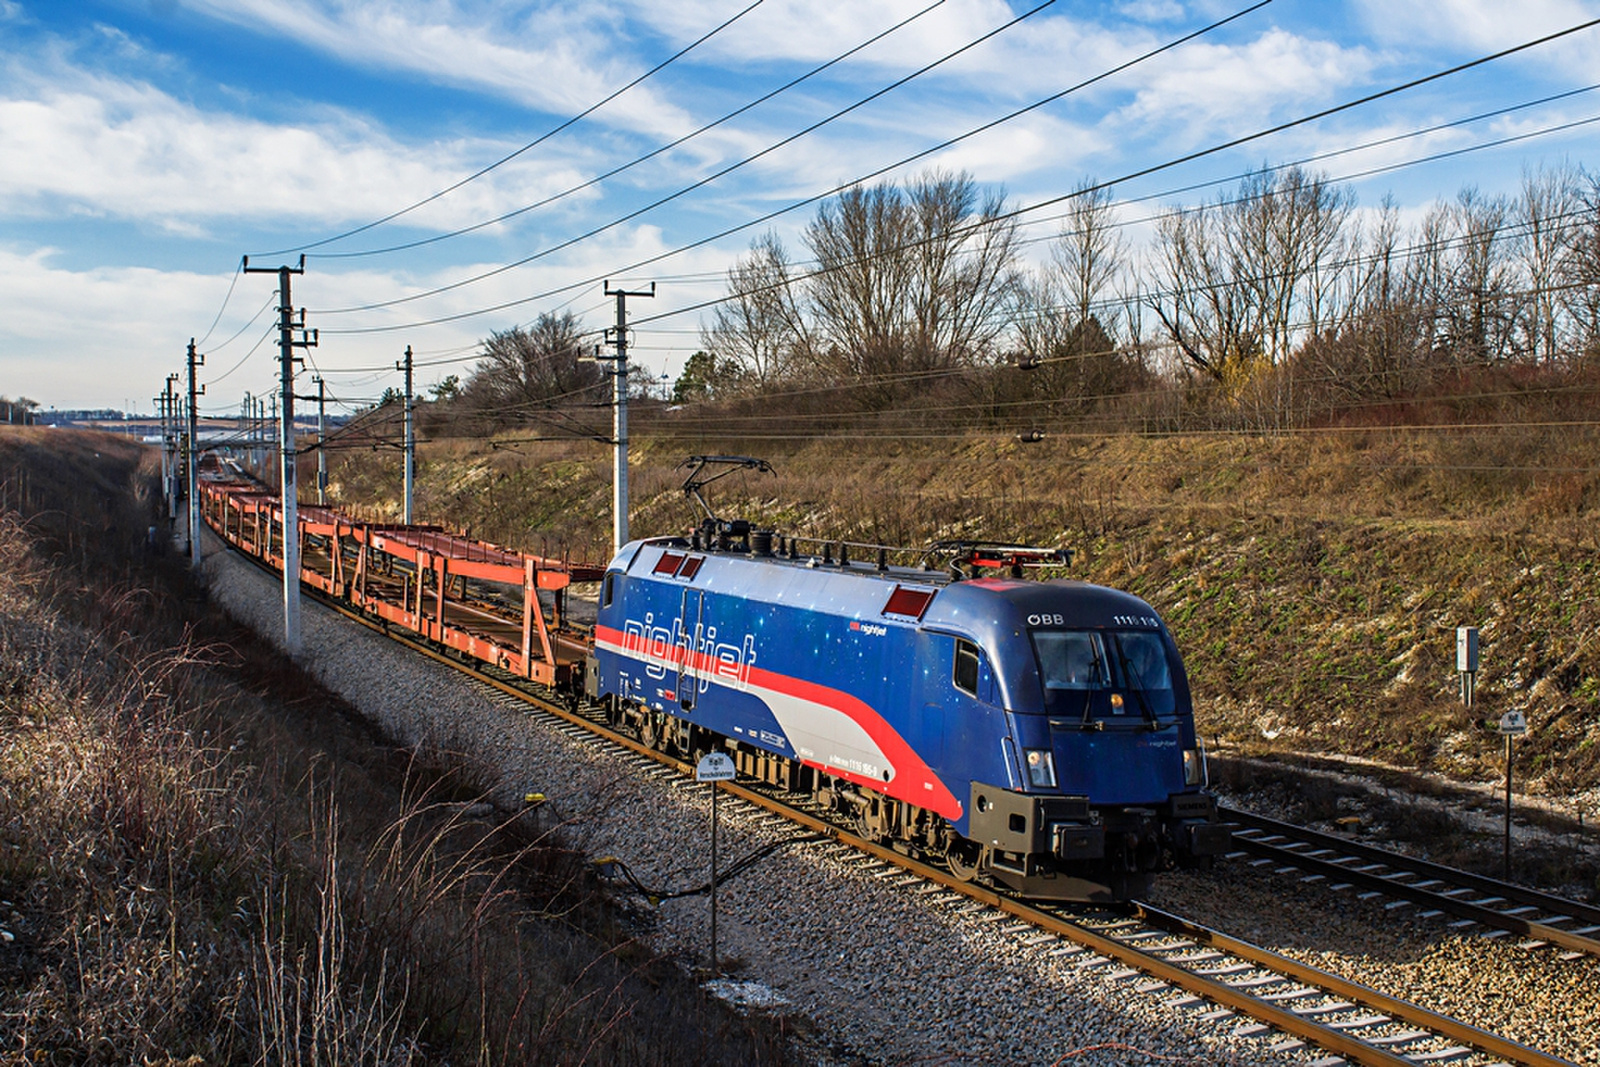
(1153, 10)
(100, 337)
(555, 58)
(1487, 26)
(82, 144)
(816, 30)
(1204, 91)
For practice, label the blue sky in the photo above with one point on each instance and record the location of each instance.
(145, 145)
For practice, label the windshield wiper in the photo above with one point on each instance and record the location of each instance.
(1136, 686)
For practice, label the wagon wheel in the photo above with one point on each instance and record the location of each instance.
(964, 858)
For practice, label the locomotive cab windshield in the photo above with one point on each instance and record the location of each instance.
(1099, 679)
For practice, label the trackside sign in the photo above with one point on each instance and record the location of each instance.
(714, 767)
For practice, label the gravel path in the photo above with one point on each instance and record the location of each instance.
(886, 973)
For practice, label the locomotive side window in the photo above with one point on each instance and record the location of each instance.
(610, 591)
(965, 675)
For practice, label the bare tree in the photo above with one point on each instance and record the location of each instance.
(1069, 317)
(1089, 255)
(1580, 274)
(759, 327)
(1202, 311)
(526, 369)
(1377, 346)
(1547, 216)
(909, 281)
(1247, 280)
(1477, 313)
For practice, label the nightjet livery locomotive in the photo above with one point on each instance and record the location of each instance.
(1037, 734)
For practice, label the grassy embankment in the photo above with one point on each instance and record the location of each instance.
(1314, 581)
(205, 859)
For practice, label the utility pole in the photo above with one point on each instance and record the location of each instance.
(274, 427)
(322, 441)
(411, 438)
(195, 360)
(172, 444)
(160, 401)
(617, 336)
(164, 407)
(287, 343)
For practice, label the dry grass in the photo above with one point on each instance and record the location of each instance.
(205, 859)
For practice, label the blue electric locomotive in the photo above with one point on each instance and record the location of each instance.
(1037, 734)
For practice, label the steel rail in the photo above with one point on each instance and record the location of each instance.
(1402, 1010)
(1216, 991)
(1477, 911)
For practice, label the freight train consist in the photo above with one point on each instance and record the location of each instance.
(1035, 734)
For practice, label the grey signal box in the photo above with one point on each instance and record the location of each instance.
(1467, 649)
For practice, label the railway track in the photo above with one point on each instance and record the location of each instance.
(1569, 927)
(1184, 966)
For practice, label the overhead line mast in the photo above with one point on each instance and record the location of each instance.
(410, 437)
(195, 360)
(617, 336)
(288, 325)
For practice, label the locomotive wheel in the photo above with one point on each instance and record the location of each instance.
(650, 731)
(866, 824)
(965, 859)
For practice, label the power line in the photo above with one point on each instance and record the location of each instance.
(644, 158)
(1156, 168)
(237, 271)
(1028, 209)
(591, 109)
(730, 168)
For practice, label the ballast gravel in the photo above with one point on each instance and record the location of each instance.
(882, 972)
(1526, 994)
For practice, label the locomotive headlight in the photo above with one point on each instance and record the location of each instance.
(1041, 768)
(1194, 767)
